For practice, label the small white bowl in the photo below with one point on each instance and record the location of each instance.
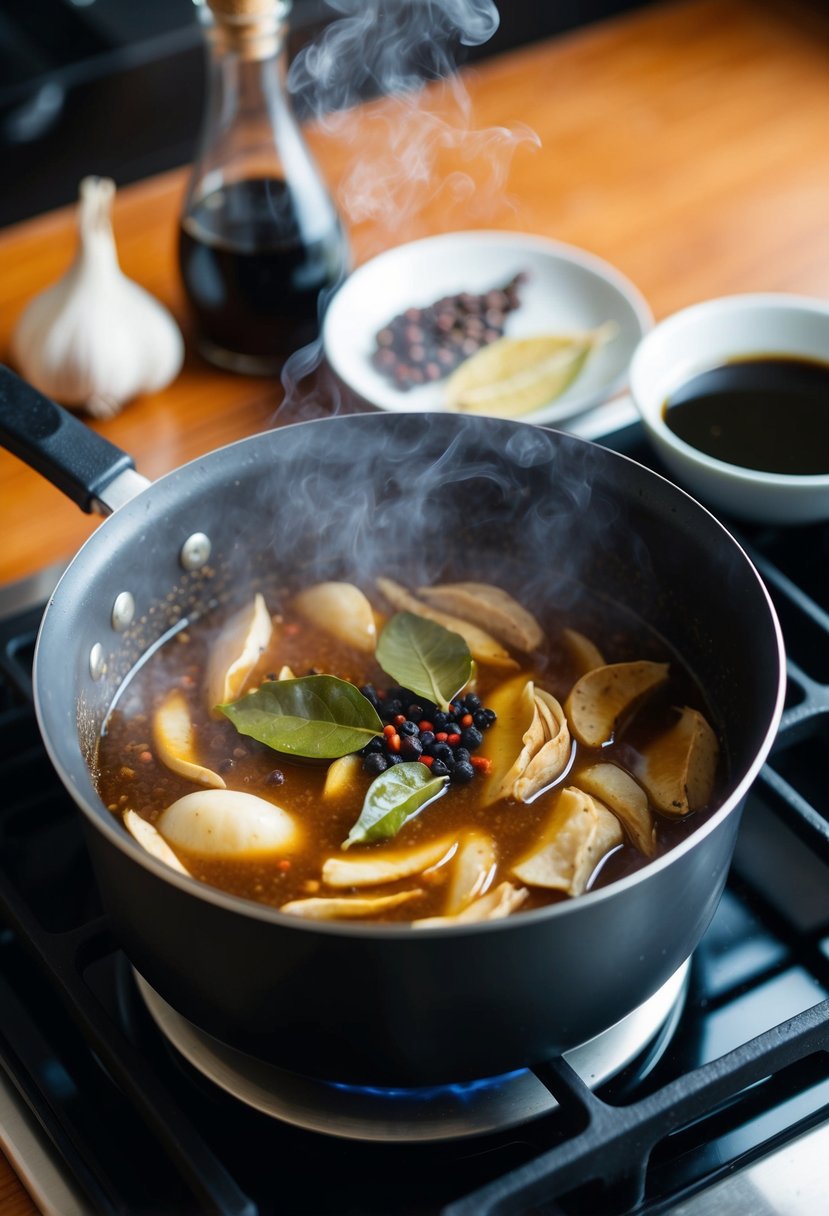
(708, 335)
(566, 290)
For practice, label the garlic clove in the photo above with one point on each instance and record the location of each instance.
(95, 339)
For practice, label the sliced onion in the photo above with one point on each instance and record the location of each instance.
(228, 823)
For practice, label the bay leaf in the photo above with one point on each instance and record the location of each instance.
(424, 657)
(317, 717)
(515, 376)
(392, 799)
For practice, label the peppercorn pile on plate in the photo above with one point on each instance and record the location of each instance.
(412, 324)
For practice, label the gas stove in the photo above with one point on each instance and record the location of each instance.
(713, 1097)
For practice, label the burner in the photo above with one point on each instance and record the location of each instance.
(428, 1114)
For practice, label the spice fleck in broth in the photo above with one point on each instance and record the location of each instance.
(433, 756)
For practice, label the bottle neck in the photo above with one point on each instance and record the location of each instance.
(247, 119)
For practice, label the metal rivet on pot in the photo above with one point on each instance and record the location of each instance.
(195, 551)
(96, 661)
(123, 611)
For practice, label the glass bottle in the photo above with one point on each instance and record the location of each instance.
(260, 242)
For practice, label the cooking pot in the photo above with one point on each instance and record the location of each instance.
(423, 496)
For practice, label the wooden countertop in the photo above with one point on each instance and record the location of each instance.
(685, 142)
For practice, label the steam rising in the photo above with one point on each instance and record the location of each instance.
(419, 142)
(416, 146)
(420, 497)
(386, 48)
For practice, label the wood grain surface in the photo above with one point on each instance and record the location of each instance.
(685, 142)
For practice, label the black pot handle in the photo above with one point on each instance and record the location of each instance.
(81, 463)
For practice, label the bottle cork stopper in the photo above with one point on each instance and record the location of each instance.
(249, 27)
(244, 10)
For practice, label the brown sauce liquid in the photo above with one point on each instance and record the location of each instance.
(769, 414)
(132, 777)
(254, 283)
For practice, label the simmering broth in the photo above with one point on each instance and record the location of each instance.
(498, 846)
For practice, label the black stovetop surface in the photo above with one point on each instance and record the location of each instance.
(747, 1068)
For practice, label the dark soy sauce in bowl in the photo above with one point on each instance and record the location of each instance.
(769, 413)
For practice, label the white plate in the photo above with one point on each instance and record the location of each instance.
(566, 290)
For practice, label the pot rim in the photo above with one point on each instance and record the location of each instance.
(103, 821)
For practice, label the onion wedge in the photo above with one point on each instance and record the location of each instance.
(577, 835)
(175, 744)
(342, 610)
(473, 869)
(526, 756)
(228, 823)
(236, 651)
(340, 776)
(599, 698)
(678, 769)
(497, 904)
(347, 907)
(627, 800)
(152, 841)
(585, 655)
(491, 608)
(386, 865)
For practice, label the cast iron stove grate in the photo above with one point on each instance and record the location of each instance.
(747, 1069)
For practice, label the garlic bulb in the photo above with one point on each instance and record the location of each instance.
(95, 339)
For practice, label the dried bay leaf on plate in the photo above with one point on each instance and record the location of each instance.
(515, 376)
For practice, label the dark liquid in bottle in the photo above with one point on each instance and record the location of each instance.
(253, 281)
(769, 414)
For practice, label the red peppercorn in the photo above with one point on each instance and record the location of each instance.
(441, 736)
(427, 760)
(393, 743)
(389, 730)
(424, 725)
(466, 720)
(481, 763)
(399, 719)
(452, 740)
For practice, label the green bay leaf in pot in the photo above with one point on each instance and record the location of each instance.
(392, 799)
(424, 657)
(316, 717)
